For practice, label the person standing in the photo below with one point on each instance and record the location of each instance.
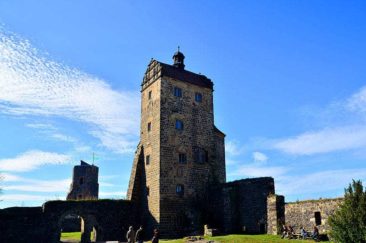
(140, 235)
(155, 238)
(130, 236)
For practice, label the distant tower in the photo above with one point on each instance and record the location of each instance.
(181, 153)
(84, 182)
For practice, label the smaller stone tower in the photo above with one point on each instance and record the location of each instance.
(84, 182)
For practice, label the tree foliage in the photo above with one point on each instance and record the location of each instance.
(349, 221)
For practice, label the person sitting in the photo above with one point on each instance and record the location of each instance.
(303, 233)
(290, 232)
(284, 231)
(315, 234)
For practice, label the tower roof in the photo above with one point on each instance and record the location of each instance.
(161, 69)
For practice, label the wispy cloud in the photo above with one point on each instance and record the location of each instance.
(324, 141)
(333, 137)
(22, 197)
(31, 160)
(233, 148)
(104, 194)
(318, 182)
(31, 84)
(259, 157)
(40, 186)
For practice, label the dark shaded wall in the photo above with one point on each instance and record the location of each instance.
(110, 218)
(240, 206)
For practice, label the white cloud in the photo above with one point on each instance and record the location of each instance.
(232, 148)
(259, 157)
(40, 186)
(318, 182)
(112, 194)
(256, 170)
(324, 141)
(22, 197)
(30, 84)
(31, 160)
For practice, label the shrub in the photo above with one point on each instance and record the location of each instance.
(349, 222)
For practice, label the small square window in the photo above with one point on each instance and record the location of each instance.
(198, 97)
(150, 94)
(179, 189)
(182, 158)
(149, 127)
(147, 159)
(177, 92)
(200, 155)
(178, 125)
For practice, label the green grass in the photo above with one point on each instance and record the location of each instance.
(246, 239)
(70, 236)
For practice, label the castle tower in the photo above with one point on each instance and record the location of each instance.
(84, 182)
(181, 152)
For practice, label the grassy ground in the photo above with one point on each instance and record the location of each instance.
(246, 239)
(223, 239)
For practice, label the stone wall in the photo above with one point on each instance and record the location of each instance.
(84, 182)
(110, 219)
(302, 213)
(275, 213)
(240, 206)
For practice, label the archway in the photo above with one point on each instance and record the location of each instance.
(71, 226)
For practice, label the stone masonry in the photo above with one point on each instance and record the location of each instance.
(84, 182)
(181, 152)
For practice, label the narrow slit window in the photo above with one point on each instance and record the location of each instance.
(147, 159)
(149, 127)
(150, 95)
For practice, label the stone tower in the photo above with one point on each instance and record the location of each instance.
(84, 182)
(181, 152)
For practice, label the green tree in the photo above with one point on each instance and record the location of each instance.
(349, 222)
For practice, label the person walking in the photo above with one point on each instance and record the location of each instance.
(130, 236)
(140, 235)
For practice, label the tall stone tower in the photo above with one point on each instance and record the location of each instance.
(84, 182)
(181, 152)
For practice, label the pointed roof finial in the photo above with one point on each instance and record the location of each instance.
(178, 59)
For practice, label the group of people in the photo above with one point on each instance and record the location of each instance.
(138, 236)
(288, 232)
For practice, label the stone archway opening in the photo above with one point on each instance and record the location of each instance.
(71, 227)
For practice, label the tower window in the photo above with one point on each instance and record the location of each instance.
(149, 127)
(198, 97)
(179, 189)
(81, 181)
(147, 159)
(182, 158)
(150, 94)
(177, 92)
(178, 125)
(318, 218)
(200, 155)
(147, 191)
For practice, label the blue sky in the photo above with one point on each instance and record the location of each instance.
(289, 81)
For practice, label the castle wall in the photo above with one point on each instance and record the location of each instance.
(275, 213)
(240, 206)
(302, 213)
(110, 218)
(84, 182)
